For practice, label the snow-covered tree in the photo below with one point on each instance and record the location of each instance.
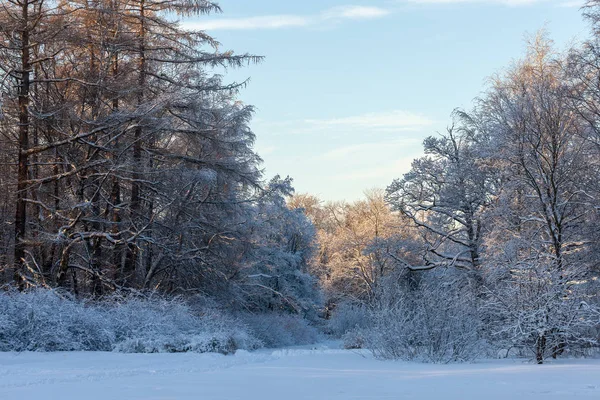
(445, 195)
(539, 236)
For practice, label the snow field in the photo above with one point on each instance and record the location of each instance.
(290, 374)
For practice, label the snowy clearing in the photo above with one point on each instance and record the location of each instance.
(291, 374)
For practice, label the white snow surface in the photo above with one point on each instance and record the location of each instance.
(322, 372)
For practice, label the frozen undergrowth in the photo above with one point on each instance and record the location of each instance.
(49, 321)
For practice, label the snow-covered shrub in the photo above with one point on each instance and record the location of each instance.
(278, 330)
(48, 321)
(437, 338)
(436, 322)
(348, 317)
(355, 338)
(158, 325)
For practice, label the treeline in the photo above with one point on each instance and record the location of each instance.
(127, 162)
(127, 168)
(492, 240)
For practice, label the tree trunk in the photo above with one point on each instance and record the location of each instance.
(540, 349)
(23, 145)
(136, 197)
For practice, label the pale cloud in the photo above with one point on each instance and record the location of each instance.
(346, 152)
(263, 151)
(368, 123)
(371, 163)
(380, 174)
(355, 12)
(509, 3)
(264, 22)
(327, 17)
(513, 3)
(376, 148)
(572, 3)
(397, 120)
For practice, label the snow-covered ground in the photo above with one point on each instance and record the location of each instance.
(293, 374)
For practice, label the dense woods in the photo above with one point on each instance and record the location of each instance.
(128, 161)
(127, 168)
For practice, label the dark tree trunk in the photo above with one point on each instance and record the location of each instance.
(540, 349)
(136, 196)
(23, 146)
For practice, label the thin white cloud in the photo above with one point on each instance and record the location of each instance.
(376, 148)
(512, 3)
(263, 151)
(332, 15)
(380, 173)
(572, 3)
(384, 122)
(264, 22)
(398, 120)
(354, 12)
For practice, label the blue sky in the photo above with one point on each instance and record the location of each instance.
(349, 89)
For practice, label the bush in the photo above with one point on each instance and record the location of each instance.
(279, 330)
(430, 337)
(436, 322)
(45, 320)
(355, 339)
(348, 317)
(159, 325)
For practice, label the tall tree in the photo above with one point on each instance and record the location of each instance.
(446, 194)
(28, 27)
(542, 208)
